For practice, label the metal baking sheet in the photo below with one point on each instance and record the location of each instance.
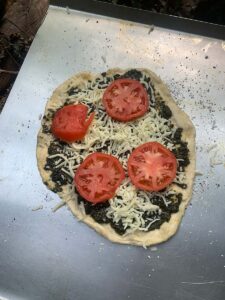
(46, 255)
(123, 12)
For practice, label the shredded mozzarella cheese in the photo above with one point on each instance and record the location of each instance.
(129, 206)
(119, 139)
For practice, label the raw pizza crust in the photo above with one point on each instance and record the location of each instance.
(139, 238)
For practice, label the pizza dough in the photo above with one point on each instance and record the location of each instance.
(67, 194)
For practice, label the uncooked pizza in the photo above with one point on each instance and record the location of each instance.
(120, 153)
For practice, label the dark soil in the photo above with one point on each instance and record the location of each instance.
(19, 21)
(205, 10)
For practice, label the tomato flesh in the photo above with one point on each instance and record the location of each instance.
(125, 100)
(69, 123)
(152, 167)
(98, 177)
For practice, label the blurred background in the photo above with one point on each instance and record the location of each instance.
(20, 20)
(205, 10)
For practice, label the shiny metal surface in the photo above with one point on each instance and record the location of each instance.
(123, 12)
(46, 255)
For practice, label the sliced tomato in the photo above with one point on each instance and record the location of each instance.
(125, 100)
(152, 167)
(69, 123)
(98, 177)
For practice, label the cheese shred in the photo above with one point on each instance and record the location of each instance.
(130, 206)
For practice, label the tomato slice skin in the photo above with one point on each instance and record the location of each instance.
(125, 100)
(69, 123)
(152, 167)
(98, 177)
